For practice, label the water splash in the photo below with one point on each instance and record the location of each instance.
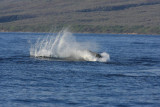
(65, 47)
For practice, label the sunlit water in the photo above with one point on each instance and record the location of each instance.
(130, 78)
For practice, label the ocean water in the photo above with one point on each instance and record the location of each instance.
(37, 71)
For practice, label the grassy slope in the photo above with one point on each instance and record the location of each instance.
(100, 16)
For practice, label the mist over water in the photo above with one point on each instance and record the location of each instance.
(65, 47)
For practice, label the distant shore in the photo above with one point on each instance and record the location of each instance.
(84, 16)
(86, 29)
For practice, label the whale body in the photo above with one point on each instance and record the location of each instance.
(72, 57)
(97, 55)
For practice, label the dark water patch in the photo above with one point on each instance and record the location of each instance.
(114, 75)
(19, 60)
(139, 74)
(129, 76)
(133, 61)
(145, 103)
(116, 63)
(47, 100)
(11, 58)
(145, 61)
(123, 105)
(139, 43)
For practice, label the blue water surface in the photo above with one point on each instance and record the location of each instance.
(130, 79)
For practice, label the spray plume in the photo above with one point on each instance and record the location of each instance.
(65, 47)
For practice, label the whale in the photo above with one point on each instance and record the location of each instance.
(97, 55)
(71, 57)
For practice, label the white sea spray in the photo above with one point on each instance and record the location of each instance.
(65, 46)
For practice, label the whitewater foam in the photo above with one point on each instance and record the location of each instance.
(65, 46)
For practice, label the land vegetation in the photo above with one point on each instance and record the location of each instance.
(84, 16)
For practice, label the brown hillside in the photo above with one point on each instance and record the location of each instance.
(101, 16)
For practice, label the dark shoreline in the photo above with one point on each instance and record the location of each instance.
(87, 29)
(82, 33)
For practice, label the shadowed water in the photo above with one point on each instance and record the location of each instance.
(131, 78)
